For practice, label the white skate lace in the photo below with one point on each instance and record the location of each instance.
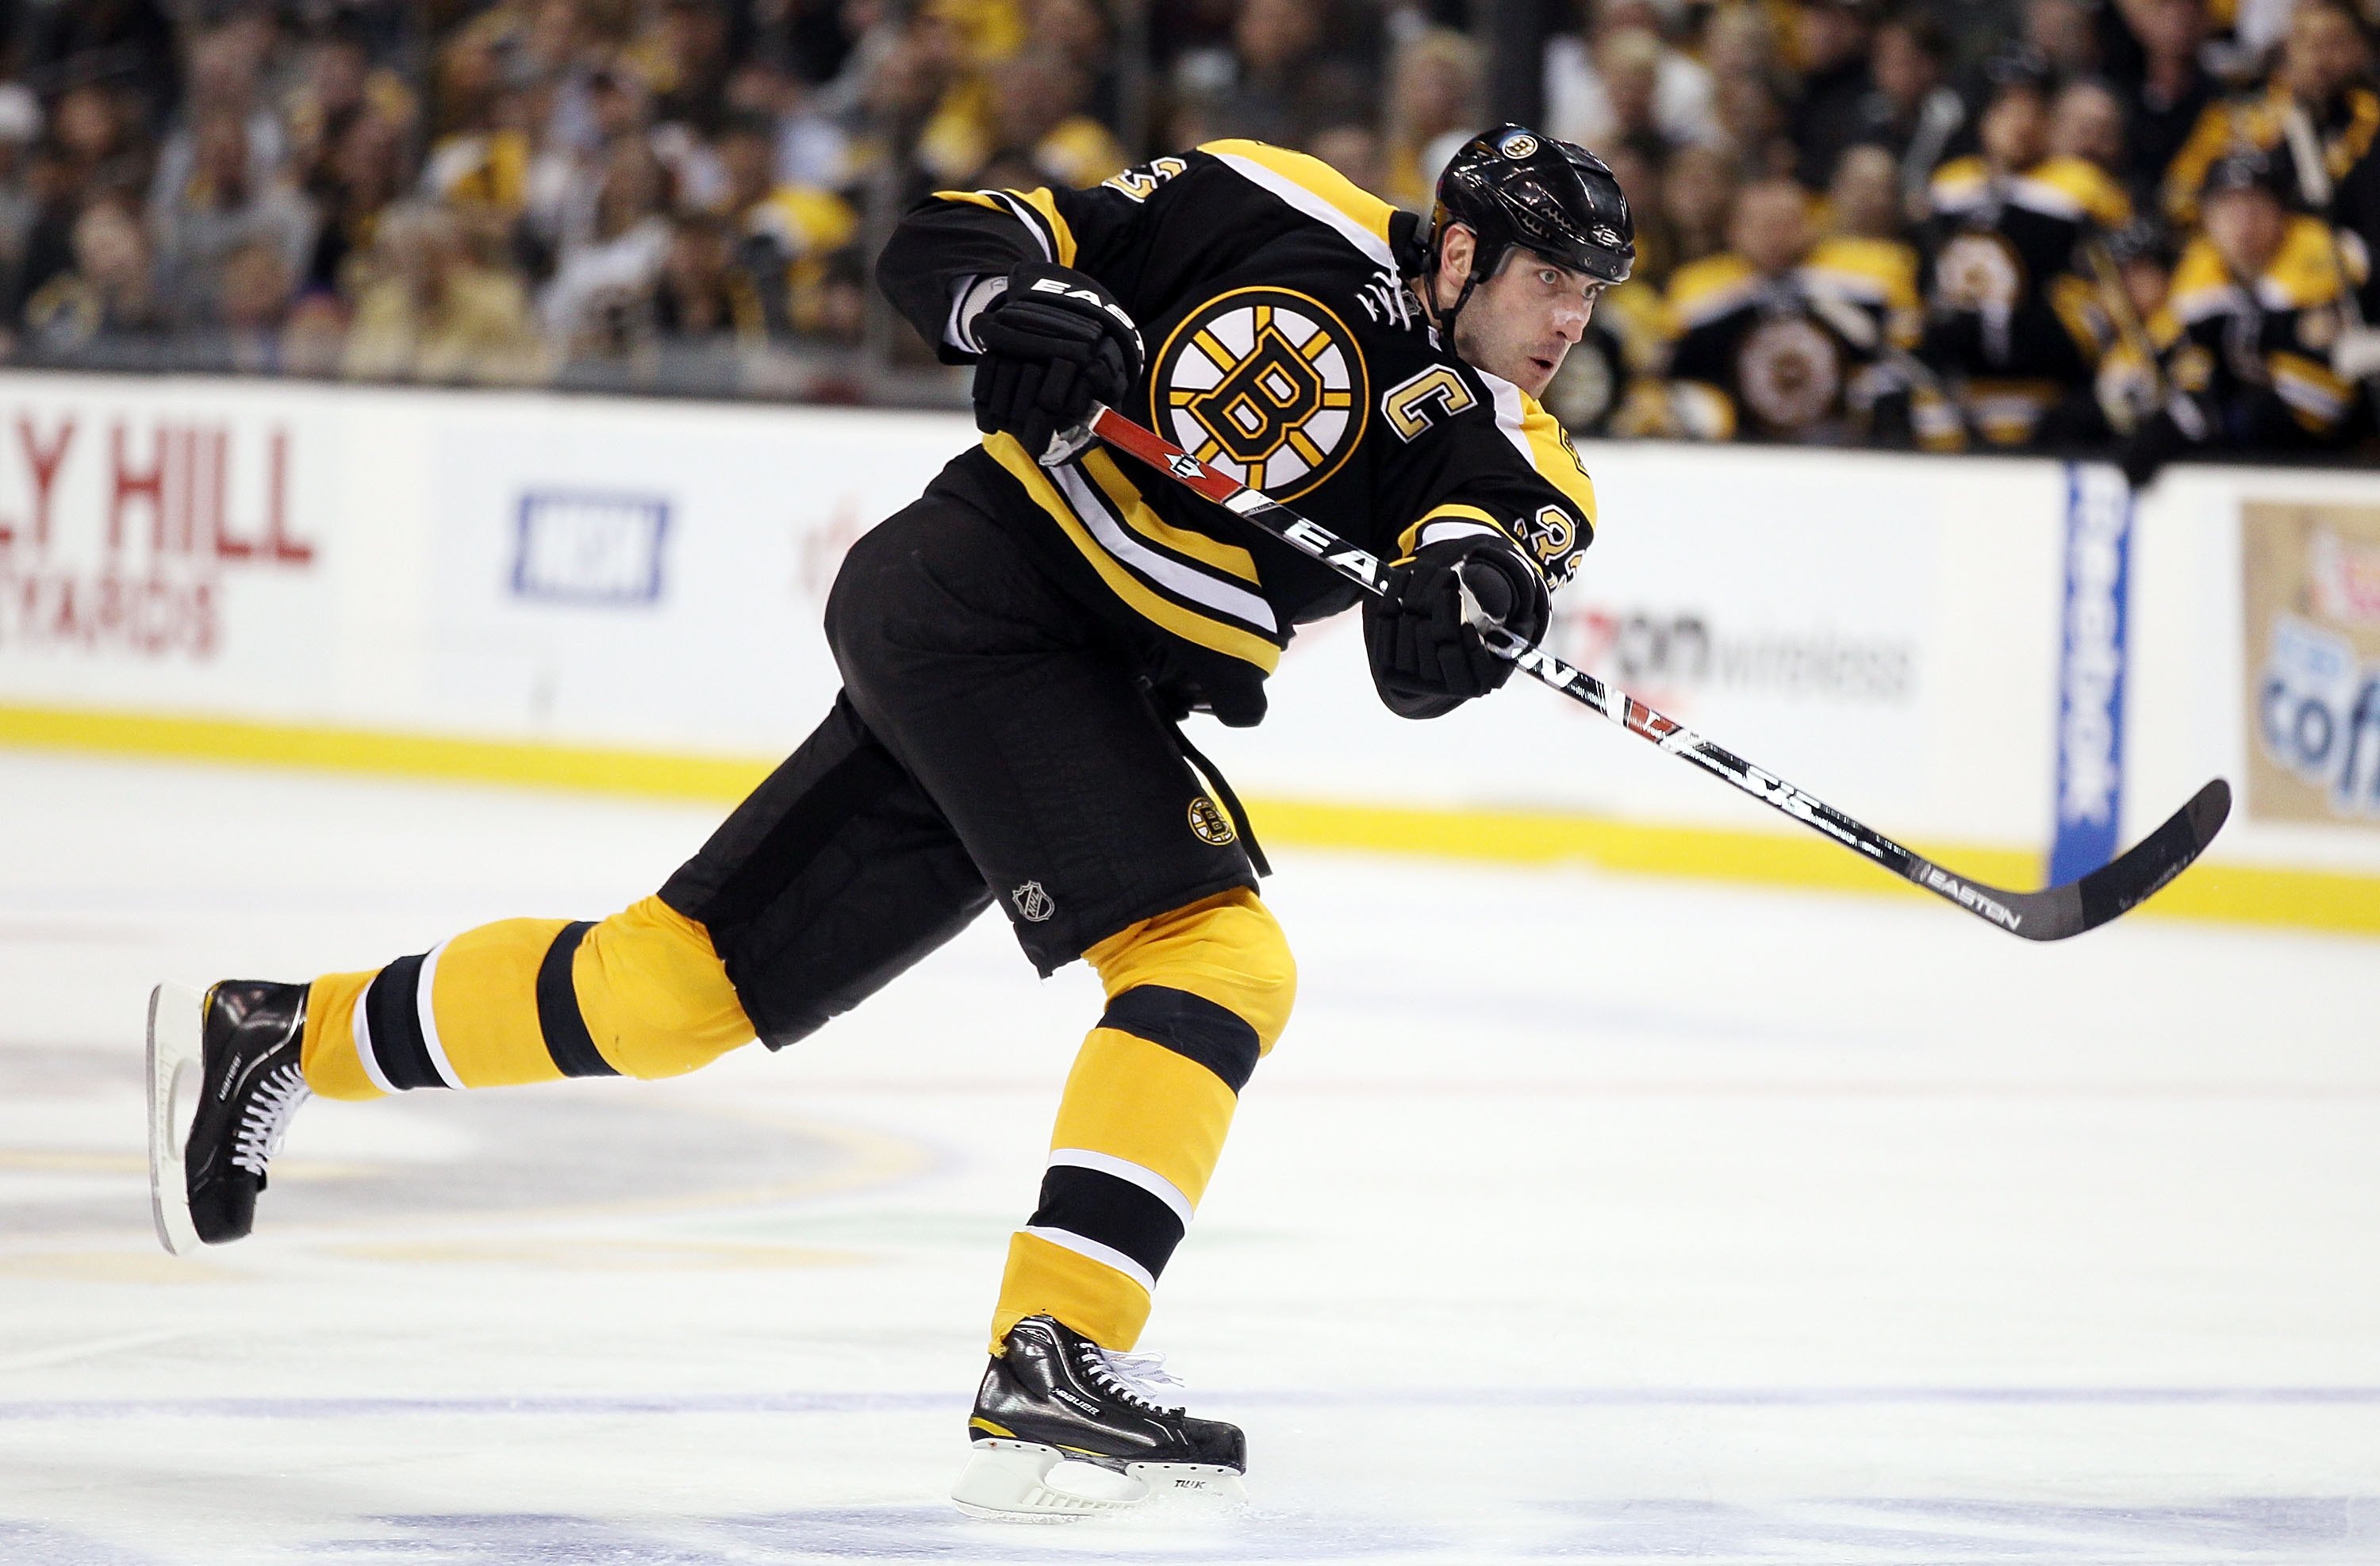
(265, 1120)
(1136, 1378)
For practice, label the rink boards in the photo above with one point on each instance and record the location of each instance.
(1997, 659)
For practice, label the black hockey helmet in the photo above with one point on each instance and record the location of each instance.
(1510, 186)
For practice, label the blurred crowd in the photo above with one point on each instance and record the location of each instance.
(2048, 223)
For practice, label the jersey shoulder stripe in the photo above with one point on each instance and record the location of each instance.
(1315, 188)
(1703, 291)
(1538, 437)
(2305, 273)
(2079, 188)
(1872, 271)
(1960, 184)
(1037, 210)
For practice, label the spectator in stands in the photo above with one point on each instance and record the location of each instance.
(2061, 35)
(1293, 73)
(2320, 78)
(430, 311)
(131, 40)
(1832, 40)
(1863, 199)
(1781, 336)
(20, 127)
(251, 306)
(595, 305)
(1913, 111)
(1697, 193)
(2246, 337)
(314, 336)
(107, 296)
(691, 62)
(1036, 125)
(2172, 90)
(781, 234)
(810, 148)
(1752, 126)
(2008, 315)
(2086, 122)
(1436, 102)
(1354, 149)
(364, 172)
(702, 298)
(228, 200)
(1577, 90)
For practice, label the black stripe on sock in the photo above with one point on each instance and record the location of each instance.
(566, 1039)
(394, 1013)
(1188, 1025)
(1115, 1212)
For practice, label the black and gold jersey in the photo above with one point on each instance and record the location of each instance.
(1793, 357)
(1285, 349)
(2008, 308)
(2344, 127)
(2231, 345)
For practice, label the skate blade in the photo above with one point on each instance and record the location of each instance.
(1026, 1482)
(176, 1052)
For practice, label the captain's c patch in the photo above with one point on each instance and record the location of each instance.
(1264, 385)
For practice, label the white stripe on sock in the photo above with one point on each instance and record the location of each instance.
(438, 1061)
(1148, 1180)
(364, 1041)
(1106, 1256)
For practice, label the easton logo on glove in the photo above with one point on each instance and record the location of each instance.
(1054, 344)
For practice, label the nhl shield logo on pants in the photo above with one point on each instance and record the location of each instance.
(1033, 903)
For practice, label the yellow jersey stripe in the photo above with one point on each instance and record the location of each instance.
(1556, 463)
(1143, 519)
(1316, 188)
(1199, 629)
(1406, 539)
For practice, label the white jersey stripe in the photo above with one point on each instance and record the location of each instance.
(1148, 1180)
(1090, 508)
(1030, 219)
(1509, 414)
(1106, 1256)
(421, 991)
(1375, 248)
(362, 1030)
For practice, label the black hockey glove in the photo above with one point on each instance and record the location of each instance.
(1052, 345)
(1424, 660)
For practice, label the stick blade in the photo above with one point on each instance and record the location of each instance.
(2130, 877)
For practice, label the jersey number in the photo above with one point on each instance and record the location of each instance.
(1413, 406)
(1141, 183)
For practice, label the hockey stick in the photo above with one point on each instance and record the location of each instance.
(2052, 914)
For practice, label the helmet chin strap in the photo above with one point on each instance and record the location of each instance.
(1445, 317)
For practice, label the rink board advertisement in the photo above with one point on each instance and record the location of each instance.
(1962, 662)
(2311, 601)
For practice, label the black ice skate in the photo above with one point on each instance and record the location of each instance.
(240, 1041)
(1065, 1428)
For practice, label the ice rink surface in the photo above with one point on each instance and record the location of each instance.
(1578, 1217)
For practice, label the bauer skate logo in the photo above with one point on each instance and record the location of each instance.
(1263, 385)
(1034, 905)
(1210, 825)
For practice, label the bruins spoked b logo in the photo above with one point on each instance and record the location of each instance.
(1264, 385)
(1210, 824)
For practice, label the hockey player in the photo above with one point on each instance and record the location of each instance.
(1017, 648)
(2009, 310)
(2245, 337)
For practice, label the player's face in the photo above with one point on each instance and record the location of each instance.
(1520, 322)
